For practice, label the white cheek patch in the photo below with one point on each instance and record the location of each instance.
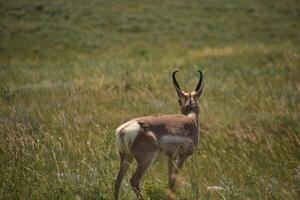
(126, 134)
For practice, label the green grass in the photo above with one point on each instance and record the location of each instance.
(71, 72)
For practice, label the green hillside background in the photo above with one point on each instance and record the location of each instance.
(72, 71)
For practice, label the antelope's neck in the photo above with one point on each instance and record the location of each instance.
(195, 117)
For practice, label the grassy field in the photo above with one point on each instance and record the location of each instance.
(72, 71)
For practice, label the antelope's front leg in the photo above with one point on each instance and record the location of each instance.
(173, 169)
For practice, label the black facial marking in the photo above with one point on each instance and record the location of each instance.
(188, 104)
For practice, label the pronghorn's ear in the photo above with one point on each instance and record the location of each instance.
(200, 92)
(200, 86)
(178, 90)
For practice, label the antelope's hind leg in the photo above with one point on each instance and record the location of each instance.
(145, 151)
(124, 164)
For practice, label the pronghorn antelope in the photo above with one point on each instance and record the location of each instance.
(160, 137)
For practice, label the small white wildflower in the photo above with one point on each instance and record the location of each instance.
(214, 188)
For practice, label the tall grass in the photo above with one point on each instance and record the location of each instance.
(72, 72)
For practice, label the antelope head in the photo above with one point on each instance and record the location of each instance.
(188, 101)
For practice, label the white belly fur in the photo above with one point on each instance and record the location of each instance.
(172, 145)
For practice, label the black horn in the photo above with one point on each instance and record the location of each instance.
(178, 90)
(175, 81)
(199, 85)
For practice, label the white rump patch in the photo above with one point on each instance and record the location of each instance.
(126, 134)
